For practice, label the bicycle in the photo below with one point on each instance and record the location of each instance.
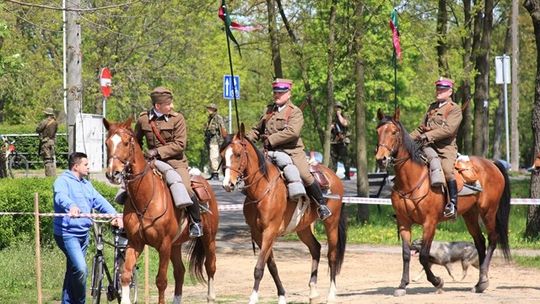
(100, 270)
(14, 161)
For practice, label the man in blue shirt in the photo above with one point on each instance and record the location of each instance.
(73, 194)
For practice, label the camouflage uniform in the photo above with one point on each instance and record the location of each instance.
(47, 136)
(213, 136)
(339, 143)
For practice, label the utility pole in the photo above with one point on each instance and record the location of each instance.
(74, 69)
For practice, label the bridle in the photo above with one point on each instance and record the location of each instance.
(393, 160)
(243, 165)
(126, 171)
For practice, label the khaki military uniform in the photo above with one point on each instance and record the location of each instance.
(214, 139)
(283, 130)
(47, 136)
(440, 125)
(173, 130)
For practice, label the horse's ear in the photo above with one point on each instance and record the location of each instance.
(242, 131)
(106, 123)
(380, 114)
(396, 114)
(127, 123)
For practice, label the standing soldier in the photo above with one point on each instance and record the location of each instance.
(340, 140)
(438, 133)
(166, 137)
(47, 137)
(213, 138)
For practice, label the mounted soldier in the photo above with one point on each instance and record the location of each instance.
(279, 130)
(166, 137)
(47, 137)
(438, 133)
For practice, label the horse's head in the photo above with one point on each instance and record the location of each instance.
(120, 144)
(235, 157)
(389, 138)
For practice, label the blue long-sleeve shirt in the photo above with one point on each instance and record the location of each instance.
(69, 190)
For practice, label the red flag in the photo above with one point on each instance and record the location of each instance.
(237, 26)
(395, 33)
(105, 81)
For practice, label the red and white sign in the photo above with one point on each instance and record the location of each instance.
(105, 81)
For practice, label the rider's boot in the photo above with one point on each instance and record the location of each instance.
(314, 190)
(195, 228)
(450, 210)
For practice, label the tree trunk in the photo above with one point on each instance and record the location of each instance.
(442, 20)
(514, 109)
(330, 82)
(533, 217)
(464, 133)
(481, 81)
(362, 184)
(297, 49)
(274, 39)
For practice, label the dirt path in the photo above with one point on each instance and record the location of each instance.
(368, 276)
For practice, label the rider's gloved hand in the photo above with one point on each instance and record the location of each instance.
(422, 138)
(151, 154)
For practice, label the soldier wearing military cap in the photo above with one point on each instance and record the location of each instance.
(438, 133)
(279, 130)
(166, 137)
(46, 130)
(340, 139)
(214, 133)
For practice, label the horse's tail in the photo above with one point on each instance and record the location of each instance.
(503, 213)
(342, 239)
(196, 259)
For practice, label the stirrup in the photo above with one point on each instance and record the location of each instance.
(195, 230)
(324, 212)
(450, 211)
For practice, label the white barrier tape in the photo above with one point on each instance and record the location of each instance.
(238, 207)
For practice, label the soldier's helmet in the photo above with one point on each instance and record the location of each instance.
(212, 106)
(48, 111)
(338, 105)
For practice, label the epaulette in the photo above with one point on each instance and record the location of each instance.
(173, 113)
(143, 113)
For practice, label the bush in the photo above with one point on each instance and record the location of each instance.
(17, 195)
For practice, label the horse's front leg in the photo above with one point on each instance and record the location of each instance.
(265, 241)
(405, 234)
(161, 278)
(427, 238)
(209, 243)
(179, 271)
(130, 257)
(272, 267)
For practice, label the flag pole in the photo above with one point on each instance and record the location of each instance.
(394, 60)
(231, 68)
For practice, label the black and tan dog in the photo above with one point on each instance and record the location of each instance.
(445, 253)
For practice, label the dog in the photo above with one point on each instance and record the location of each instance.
(445, 253)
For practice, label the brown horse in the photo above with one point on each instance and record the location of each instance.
(415, 202)
(269, 214)
(150, 217)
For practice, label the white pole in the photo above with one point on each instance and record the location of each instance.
(505, 84)
(64, 54)
(230, 116)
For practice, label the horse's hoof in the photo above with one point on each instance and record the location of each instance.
(480, 287)
(400, 292)
(315, 300)
(441, 284)
(282, 300)
(439, 291)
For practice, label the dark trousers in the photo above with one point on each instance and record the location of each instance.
(338, 152)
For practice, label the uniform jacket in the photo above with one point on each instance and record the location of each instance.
(47, 129)
(173, 130)
(340, 133)
(282, 128)
(441, 124)
(69, 190)
(213, 128)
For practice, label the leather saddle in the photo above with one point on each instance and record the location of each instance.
(315, 170)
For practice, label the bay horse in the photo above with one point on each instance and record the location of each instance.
(269, 214)
(415, 202)
(150, 217)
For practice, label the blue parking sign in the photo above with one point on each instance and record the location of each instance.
(228, 86)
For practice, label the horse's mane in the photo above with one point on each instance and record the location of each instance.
(260, 156)
(413, 147)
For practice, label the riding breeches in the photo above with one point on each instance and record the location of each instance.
(184, 174)
(300, 161)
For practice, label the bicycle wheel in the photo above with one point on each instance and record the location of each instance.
(97, 279)
(17, 164)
